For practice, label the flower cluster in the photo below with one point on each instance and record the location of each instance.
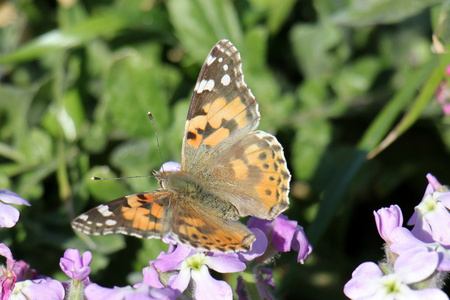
(186, 270)
(417, 260)
(181, 270)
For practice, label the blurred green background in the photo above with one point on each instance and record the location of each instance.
(332, 78)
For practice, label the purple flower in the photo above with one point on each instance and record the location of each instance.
(403, 241)
(284, 234)
(18, 281)
(15, 271)
(74, 266)
(144, 292)
(194, 265)
(369, 282)
(10, 215)
(37, 289)
(388, 219)
(431, 218)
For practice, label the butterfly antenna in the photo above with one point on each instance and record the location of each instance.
(150, 116)
(116, 178)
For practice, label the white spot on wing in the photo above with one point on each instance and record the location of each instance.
(110, 222)
(220, 58)
(83, 217)
(225, 67)
(104, 210)
(210, 59)
(226, 79)
(207, 85)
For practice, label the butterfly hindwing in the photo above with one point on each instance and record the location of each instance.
(143, 215)
(202, 228)
(252, 175)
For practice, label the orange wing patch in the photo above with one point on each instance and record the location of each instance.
(210, 124)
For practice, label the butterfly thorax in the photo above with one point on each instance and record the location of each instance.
(189, 188)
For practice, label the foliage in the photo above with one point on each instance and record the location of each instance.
(332, 78)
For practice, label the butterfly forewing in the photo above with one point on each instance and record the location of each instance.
(143, 215)
(222, 110)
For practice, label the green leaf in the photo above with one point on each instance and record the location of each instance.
(384, 120)
(310, 143)
(275, 11)
(371, 12)
(134, 87)
(136, 156)
(355, 79)
(312, 46)
(209, 21)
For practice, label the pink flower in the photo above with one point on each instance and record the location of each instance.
(194, 265)
(20, 281)
(369, 282)
(284, 234)
(74, 266)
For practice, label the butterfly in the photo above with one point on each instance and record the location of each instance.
(228, 170)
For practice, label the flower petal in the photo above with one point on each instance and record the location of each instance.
(151, 277)
(301, 244)
(206, 287)
(433, 293)
(439, 222)
(225, 263)
(170, 166)
(364, 282)
(180, 281)
(259, 246)
(7, 196)
(416, 264)
(388, 219)
(41, 289)
(94, 292)
(172, 261)
(283, 233)
(9, 215)
(6, 252)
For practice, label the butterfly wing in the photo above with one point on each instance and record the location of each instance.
(144, 215)
(243, 167)
(201, 228)
(252, 175)
(222, 109)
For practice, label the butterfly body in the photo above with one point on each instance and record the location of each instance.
(188, 190)
(228, 170)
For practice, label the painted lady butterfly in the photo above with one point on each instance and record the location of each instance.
(228, 171)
